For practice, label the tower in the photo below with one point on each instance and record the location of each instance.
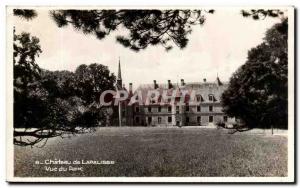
(119, 78)
(119, 87)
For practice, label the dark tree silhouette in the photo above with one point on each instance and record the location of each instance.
(36, 113)
(50, 104)
(29, 106)
(92, 80)
(257, 92)
(27, 14)
(145, 27)
(258, 14)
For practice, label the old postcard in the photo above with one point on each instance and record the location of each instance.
(160, 94)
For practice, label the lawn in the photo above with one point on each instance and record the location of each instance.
(159, 152)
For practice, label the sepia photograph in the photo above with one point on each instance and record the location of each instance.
(159, 94)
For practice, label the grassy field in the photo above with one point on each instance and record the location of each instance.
(160, 152)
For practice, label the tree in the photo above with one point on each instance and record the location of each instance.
(258, 14)
(145, 27)
(30, 99)
(49, 104)
(27, 14)
(92, 80)
(257, 91)
(26, 71)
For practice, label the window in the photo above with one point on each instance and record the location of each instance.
(169, 119)
(149, 120)
(210, 108)
(149, 109)
(198, 98)
(159, 119)
(225, 118)
(169, 108)
(211, 118)
(137, 109)
(159, 109)
(137, 119)
(211, 98)
(199, 119)
(177, 109)
(187, 108)
(198, 108)
(187, 119)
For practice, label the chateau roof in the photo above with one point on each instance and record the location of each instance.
(203, 88)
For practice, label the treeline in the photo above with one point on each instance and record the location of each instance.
(63, 97)
(53, 102)
(258, 90)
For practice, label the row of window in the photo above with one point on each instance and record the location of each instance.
(187, 119)
(187, 109)
(199, 98)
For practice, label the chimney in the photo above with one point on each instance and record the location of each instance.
(155, 86)
(169, 84)
(182, 82)
(130, 87)
(204, 80)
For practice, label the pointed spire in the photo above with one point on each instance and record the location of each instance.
(119, 78)
(219, 81)
(119, 71)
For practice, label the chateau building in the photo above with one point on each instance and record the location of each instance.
(173, 104)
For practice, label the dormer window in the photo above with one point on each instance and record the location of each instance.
(210, 97)
(199, 98)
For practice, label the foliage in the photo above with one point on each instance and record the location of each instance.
(27, 14)
(257, 92)
(145, 27)
(258, 14)
(49, 104)
(26, 71)
(92, 80)
(26, 49)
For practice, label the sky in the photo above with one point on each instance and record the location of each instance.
(218, 47)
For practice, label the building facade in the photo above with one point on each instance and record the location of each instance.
(173, 104)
